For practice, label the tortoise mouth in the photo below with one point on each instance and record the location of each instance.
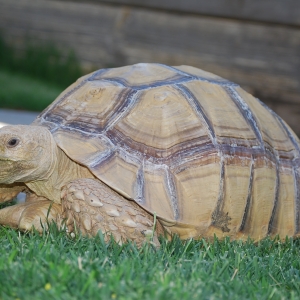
(6, 169)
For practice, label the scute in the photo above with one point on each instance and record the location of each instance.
(140, 75)
(219, 108)
(201, 73)
(161, 120)
(185, 144)
(273, 133)
(92, 107)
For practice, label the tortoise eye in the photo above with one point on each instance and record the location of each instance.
(13, 142)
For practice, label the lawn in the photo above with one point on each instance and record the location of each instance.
(54, 266)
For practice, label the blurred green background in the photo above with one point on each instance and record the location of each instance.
(32, 79)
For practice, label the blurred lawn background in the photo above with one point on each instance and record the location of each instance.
(32, 79)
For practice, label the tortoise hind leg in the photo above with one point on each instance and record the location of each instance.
(91, 206)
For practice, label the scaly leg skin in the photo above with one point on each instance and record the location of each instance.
(90, 206)
(33, 214)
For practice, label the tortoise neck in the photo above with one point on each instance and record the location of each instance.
(64, 170)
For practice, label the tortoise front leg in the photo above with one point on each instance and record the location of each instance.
(10, 191)
(25, 216)
(90, 206)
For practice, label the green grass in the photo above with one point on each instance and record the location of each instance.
(18, 91)
(54, 266)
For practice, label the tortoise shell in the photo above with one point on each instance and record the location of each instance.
(195, 149)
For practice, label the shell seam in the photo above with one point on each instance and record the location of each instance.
(295, 165)
(243, 106)
(198, 109)
(249, 198)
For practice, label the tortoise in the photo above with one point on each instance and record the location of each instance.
(149, 148)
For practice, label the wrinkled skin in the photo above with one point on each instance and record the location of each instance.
(23, 158)
(25, 154)
(30, 161)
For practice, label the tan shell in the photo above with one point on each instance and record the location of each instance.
(197, 150)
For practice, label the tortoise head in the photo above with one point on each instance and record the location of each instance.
(27, 153)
